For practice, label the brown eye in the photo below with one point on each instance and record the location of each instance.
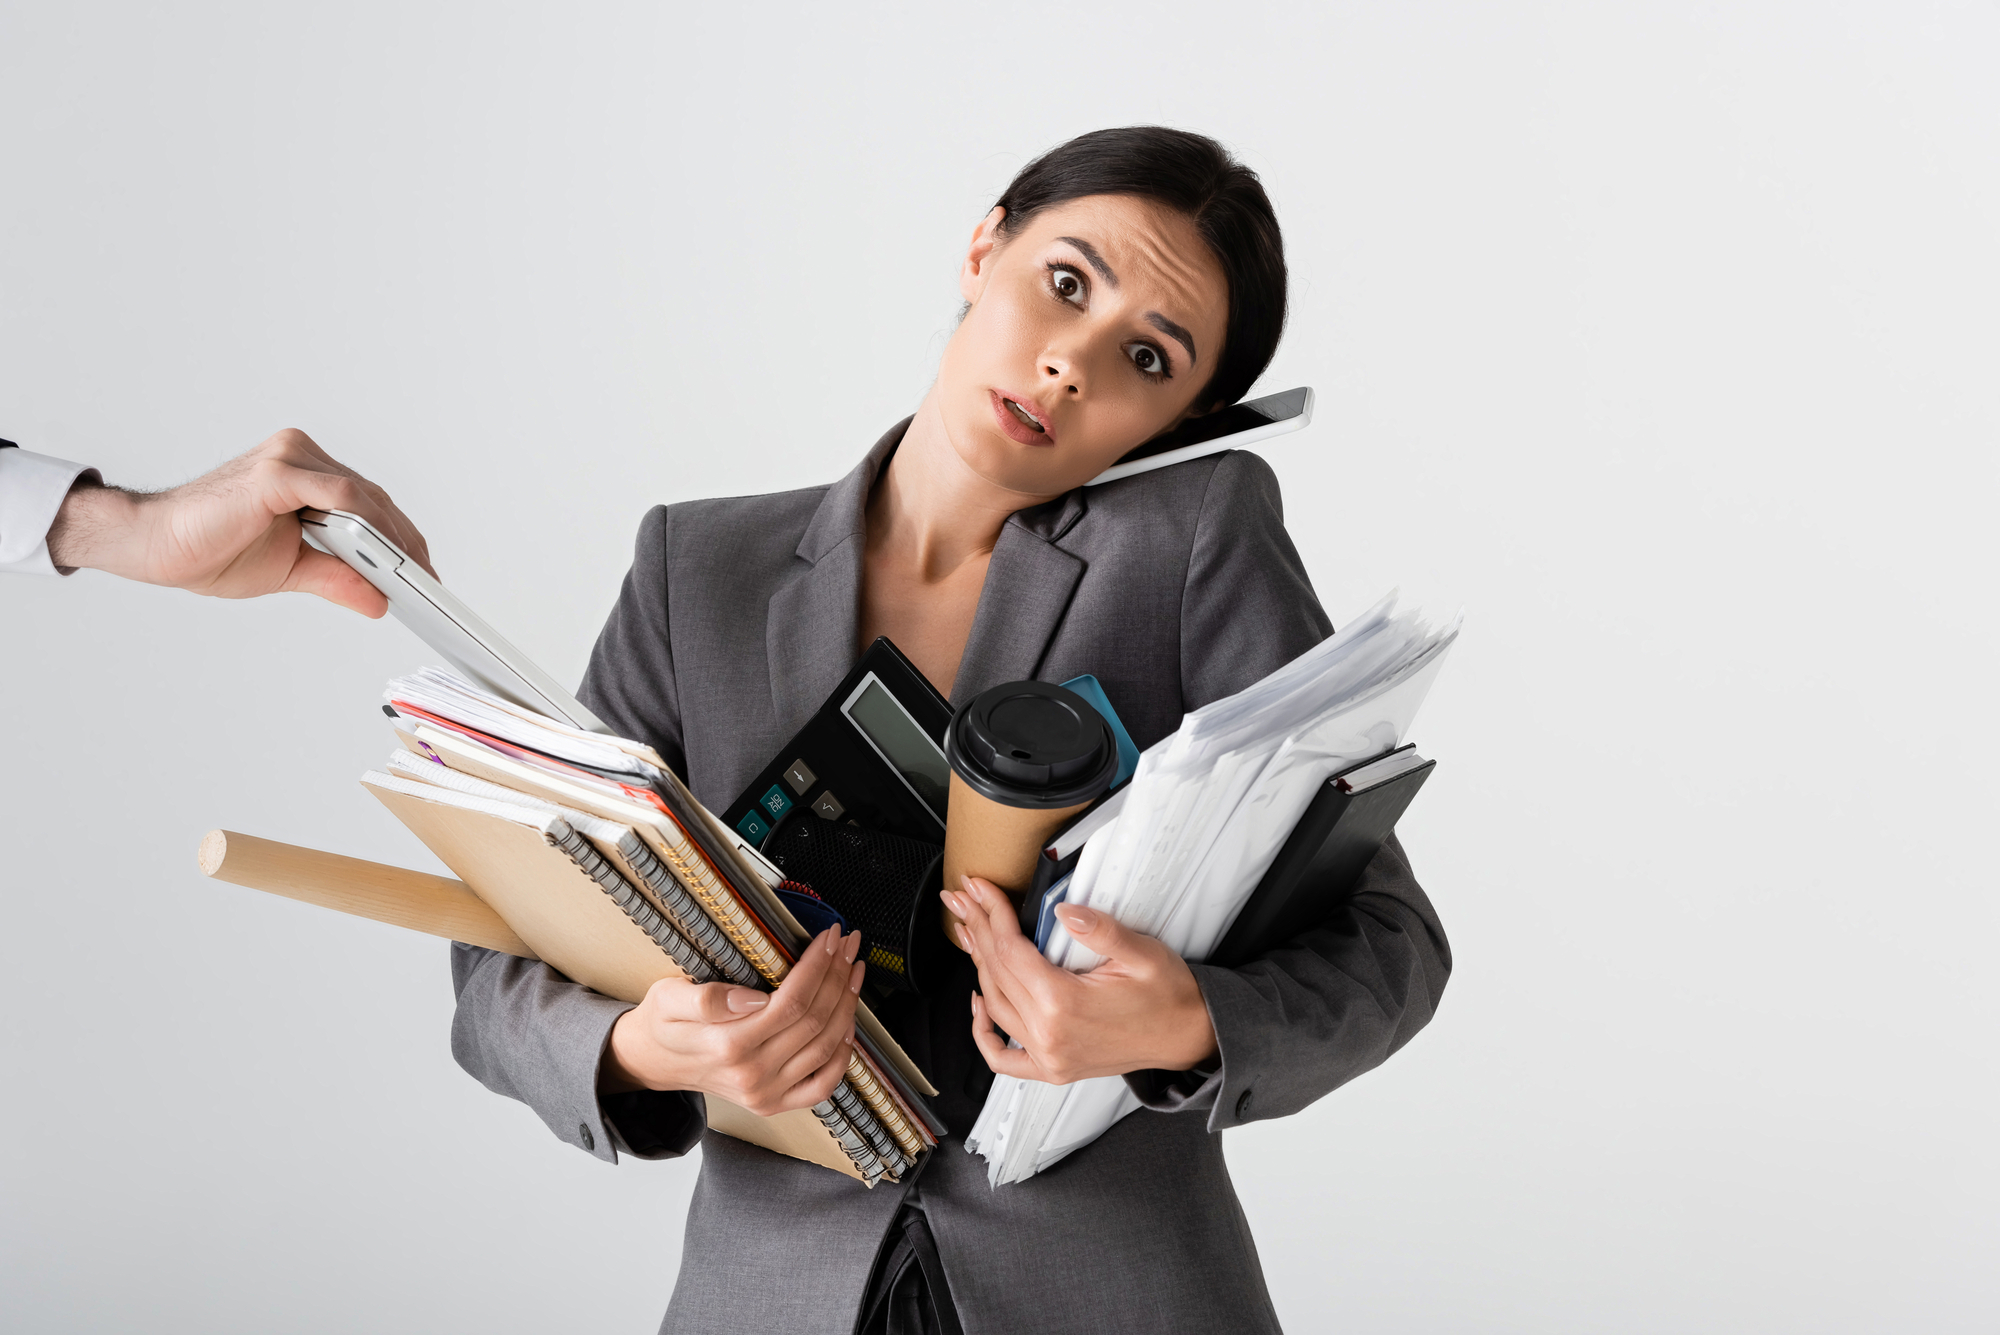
(1147, 358)
(1066, 283)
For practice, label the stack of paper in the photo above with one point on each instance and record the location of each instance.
(1199, 825)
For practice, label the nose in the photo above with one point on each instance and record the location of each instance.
(1059, 366)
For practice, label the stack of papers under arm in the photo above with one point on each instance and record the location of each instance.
(1200, 824)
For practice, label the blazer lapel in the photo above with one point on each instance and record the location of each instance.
(814, 617)
(1028, 586)
(812, 629)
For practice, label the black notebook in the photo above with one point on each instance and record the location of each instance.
(1348, 821)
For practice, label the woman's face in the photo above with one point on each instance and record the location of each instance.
(1092, 329)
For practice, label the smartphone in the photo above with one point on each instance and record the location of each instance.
(441, 620)
(1231, 428)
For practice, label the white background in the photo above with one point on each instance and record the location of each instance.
(1663, 338)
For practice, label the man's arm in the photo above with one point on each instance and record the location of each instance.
(231, 533)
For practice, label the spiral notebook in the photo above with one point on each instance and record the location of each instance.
(581, 893)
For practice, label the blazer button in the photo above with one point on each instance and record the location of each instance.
(1242, 1105)
(590, 1141)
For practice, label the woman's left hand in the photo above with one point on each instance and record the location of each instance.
(1139, 1010)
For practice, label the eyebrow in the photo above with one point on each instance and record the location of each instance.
(1173, 331)
(1096, 260)
(1160, 322)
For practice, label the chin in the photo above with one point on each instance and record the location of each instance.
(1036, 470)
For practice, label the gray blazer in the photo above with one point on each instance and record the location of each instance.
(739, 616)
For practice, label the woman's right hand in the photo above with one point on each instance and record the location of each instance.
(768, 1052)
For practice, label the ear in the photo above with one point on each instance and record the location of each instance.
(978, 266)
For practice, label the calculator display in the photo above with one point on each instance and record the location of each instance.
(878, 716)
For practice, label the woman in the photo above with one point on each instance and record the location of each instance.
(1124, 281)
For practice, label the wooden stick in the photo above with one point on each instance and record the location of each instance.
(414, 899)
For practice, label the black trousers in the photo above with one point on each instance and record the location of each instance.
(907, 1294)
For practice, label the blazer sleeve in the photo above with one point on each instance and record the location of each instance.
(630, 682)
(522, 1029)
(1338, 999)
(1247, 607)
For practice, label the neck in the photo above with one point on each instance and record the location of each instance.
(929, 510)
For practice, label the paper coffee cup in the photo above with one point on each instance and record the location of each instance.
(1025, 757)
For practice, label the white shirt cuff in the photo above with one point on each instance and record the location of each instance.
(32, 488)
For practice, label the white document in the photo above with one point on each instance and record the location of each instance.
(1205, 814)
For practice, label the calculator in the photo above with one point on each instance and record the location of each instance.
(873, 756)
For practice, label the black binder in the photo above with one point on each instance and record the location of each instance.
(1348, 821)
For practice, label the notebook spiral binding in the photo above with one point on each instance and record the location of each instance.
(697, 927)
(847, 1119)
(636, 907)
(850, 1140)
(902, 1141)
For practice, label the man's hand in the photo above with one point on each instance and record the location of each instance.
(1140, 1010)
(234, 533)
(765, 1052)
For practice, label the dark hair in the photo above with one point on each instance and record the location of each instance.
(1195, 176)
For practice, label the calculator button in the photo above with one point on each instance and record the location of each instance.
(753, 826)
(829, 806)
(775, 804)
(800, 777)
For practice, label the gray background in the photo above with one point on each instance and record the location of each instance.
(1660, 337)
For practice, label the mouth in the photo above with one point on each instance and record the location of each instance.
(1019, 421)
(1033, 422)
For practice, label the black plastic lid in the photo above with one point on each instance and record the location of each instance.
(1030, 744)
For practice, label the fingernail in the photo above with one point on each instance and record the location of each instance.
(743, 1001)
(860, 972)
(965, 884)
(832, 938)
(1079, 921)
(853, 946)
